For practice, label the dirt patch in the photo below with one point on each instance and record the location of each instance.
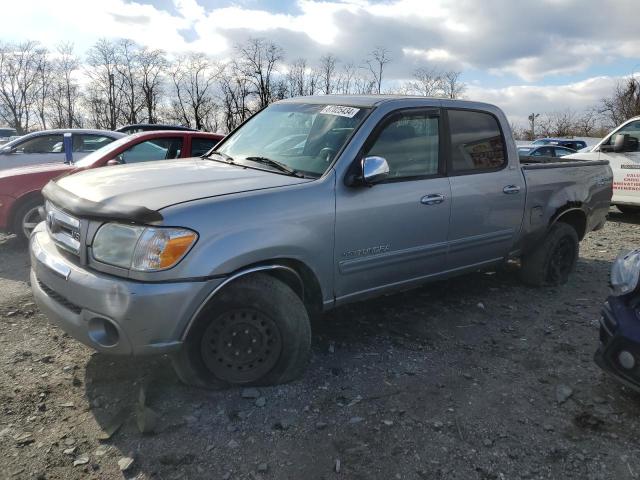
(478, 377)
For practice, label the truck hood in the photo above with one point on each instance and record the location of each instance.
(155, 185)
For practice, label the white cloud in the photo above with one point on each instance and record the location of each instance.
(519, 101)
(531, 41)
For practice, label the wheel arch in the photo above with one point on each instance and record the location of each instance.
(294, 273)
(11, 223)
(573, 215)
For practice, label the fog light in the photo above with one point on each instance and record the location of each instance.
(103, 332)
(626, 359)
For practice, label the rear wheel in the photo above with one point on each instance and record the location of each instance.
(629, 209)
(27, 217)
(256, 331)
(554, 259)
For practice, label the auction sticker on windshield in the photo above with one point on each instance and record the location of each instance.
(340, 110)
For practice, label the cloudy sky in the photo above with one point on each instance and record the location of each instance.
(542, 56)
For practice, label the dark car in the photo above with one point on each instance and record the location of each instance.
(544, 151)
(561, 142)
(148, 127)
(619, 349)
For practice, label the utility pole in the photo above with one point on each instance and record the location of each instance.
(532, 122)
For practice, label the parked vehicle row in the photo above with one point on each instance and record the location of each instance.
(545, 151)
(20, 197)
(48, 146)
(313, 202)
(571, 143)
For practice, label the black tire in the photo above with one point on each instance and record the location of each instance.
(24, 210)
(554, 259)
(628, 209)
(255, 312)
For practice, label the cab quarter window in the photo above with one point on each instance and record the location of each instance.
(409, 144)
(476, 142)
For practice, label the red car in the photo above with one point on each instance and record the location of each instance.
(20, 196)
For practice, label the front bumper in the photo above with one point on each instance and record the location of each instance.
(111, 314)
(620, 332)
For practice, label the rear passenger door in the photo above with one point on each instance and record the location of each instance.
(487, 194)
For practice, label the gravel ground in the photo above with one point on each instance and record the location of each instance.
(478, 377)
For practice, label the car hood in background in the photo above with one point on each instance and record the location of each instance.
(155, 185)
(40, 168)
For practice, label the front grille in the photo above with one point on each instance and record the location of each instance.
(59, 298)
(63, 228)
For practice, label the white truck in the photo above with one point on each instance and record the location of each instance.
(622, 149)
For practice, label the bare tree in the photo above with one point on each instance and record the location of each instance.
(44, 79)
(193, 77)
(152, 65)
(127, 67)
(235, 93)
(427, 82)
(345, 78)
(297, 78)
(452, 86)
(258, 60)
(327, 70)
(19, 83)
(376, 62)
(65, 91)
(104, 98)
(624, 103)
(585, 125)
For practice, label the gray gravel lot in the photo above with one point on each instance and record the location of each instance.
(478, 377)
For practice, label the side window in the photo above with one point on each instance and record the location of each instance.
(409, 144)
(89, 143)
(632, 129)
(561, 152)
(156, 149)
(543, 152)
(42, 144)
(477, 143)
(200, 146)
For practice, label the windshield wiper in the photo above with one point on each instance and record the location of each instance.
(225, 158)
(277, 165)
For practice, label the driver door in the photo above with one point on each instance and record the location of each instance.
(395, 231)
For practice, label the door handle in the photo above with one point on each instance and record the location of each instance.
(432, 199)
(511, 189)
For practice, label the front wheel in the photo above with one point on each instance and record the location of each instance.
(255, 331)
(551, 262)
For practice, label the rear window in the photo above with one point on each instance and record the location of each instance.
(477, 143)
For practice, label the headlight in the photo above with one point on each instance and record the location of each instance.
(625, 273)
(145, 249)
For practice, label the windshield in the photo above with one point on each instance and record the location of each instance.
(303, 137)
(101, 152)
(542, 141)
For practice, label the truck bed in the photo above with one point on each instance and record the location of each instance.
(554, 185)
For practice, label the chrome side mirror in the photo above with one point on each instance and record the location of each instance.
(374, 170)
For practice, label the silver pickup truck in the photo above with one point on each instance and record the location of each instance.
(313, 202)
